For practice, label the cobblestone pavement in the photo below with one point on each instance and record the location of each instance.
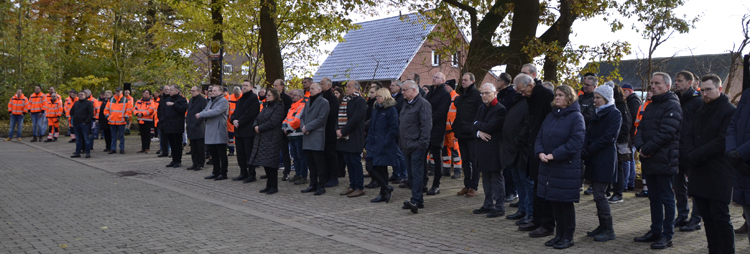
(175, 210)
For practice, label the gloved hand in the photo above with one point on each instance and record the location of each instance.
(738, 163)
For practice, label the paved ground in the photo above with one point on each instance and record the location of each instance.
(51, 204)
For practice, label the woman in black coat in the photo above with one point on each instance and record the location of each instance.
(268, 139)
(381, 143)
(600, 155)
(558, 146)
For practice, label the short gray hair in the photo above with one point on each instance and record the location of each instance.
(594, 80)
(491, 86)
(665, 76)
(532, 67)
(87, 92)
(409, 84)
(396, 83)
(523, 79)
(236, 89)
(297, 92)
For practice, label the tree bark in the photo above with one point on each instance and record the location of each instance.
(269, 42)
(218, 20)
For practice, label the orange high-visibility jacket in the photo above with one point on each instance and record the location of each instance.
(130, 100)
(69, 104)
(233, 99)
(53, 109)
(451, 112)
(156, 107)
(639, 116)
(36, 102)
(147, 109)
(118, 110)
(292, 117)
(97, 106)
(17, 105)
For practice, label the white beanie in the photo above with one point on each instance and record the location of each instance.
(606, 92)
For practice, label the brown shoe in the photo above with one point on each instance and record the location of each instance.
(471, 193)
(146, 152)
(462, 192)
(347, 191)
(7, 139)
(356, 193)
(18, 139)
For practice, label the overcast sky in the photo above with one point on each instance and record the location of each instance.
(718, 29)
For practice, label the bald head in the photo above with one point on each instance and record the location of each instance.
(315, 89)
(438, 78)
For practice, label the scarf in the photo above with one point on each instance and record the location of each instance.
(342, 109)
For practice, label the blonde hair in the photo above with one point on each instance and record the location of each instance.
(570, 95)
(385, 93)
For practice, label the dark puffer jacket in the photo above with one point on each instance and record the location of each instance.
(658, 135)
(562, 135)
(382, 141)
(600, 151)
(268, 140)
(467, 105)
(738, 139)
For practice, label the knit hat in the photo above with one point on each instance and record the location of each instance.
(607, 93)
(627, 86)
(610, 84)
(451, 83)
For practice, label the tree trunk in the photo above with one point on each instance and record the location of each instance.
(218, 20)
(269, 43)
(561, 31)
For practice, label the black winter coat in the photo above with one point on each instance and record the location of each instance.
(467, 105)
(690, 102)
(399, 97)
(333, 115)
(710, 173)
(658, 135)
(245, 112)
(354, 128)
(196, 128)
(382, 141)
(600, 150)
(562, 135)
(539, 107)
(174, 116)
(489, 119)
(440, 103)
(103, 121)
(513, 146)
(160, 109)
(634, 103)
(738, 139)
(588, 109)
(287, 101)
(368, 114)
(82, 112)
(507, 97)
(624, 134)
(267, 143)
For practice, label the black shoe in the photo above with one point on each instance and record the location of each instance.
(378, 199)
(264, 177)
(516, 216)
(308, 189)
(563, 244)
(373, 184)
(495, 214)
(285, 177)
(76, 156)
(433, 191)
(177, 165)
(171, 164)
(239, 178)
(482, 210)
(389, 192)
(220, 177)
(392, 178)
(112, 152)
(162, 155)
(693, 225)
(72, 141)
(123, 152)
(525, 220)
(192, 167)
(553, 241)
(540, 232)
(528, 227)
(47, 141)
(411, 206)
(198, 168)
(250, 179)
(681, 221)
(642, 194)
(88, 156)
(209, 162)
(589, 191)
(264, 190)
(516, 204)
(663, 243)
(405, 185)
(320, 191)
(158, 152)
(210, 177)
(272, 191)
(106, 150)
(648, 237)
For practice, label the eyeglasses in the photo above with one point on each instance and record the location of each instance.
(706, 90)
(486, 93)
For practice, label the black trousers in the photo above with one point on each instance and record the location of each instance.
(145, 133)
(198, 152)
(543, 211)
(219, 158)
(107, 134)
(380, 175)
(285, 158)
(341, 164)
(316, 162)
(163, 146)
(718, 224)
(175, 142)
(436, 152)
(332, 156)
(272, 182)
(468, 163)
(244, 151)
(565, 217)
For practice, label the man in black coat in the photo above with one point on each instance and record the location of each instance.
(467, 105)
(513, 154)
(657, 142)
(81, 115)
(287, 100)
(103, 121)
(506, 94)
(711, 175)
(690, 101)
(488, 128)
(248, 108)
(163, 142)
(588, 110)
(397, 95)
(440, 102)
(173, 121)
(331, 126)
(196, 129)
(350, 134)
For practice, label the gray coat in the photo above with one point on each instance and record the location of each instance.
(354, 129)
(215, 115)
(415, 125)
(267, 143)
(313, 119)
(196, 128)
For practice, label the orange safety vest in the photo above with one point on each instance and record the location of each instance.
(146, 109)
(117, 110)
(232, 99)
(69, 104)
(156, 106)
(53, 109)
(451, 112)
(36, 102)
(639, 116)
(18, 105)
(130, 100)
(97, 106)
(292, 117)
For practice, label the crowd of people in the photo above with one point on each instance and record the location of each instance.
(526, 140)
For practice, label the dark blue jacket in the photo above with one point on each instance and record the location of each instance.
(659, 135)
(738, 138)
(600, 151)
(561, 135)
(382, 140)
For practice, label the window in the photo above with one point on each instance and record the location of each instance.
(455, 58)
(435, 58)
(227, 69)
(245, 70)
